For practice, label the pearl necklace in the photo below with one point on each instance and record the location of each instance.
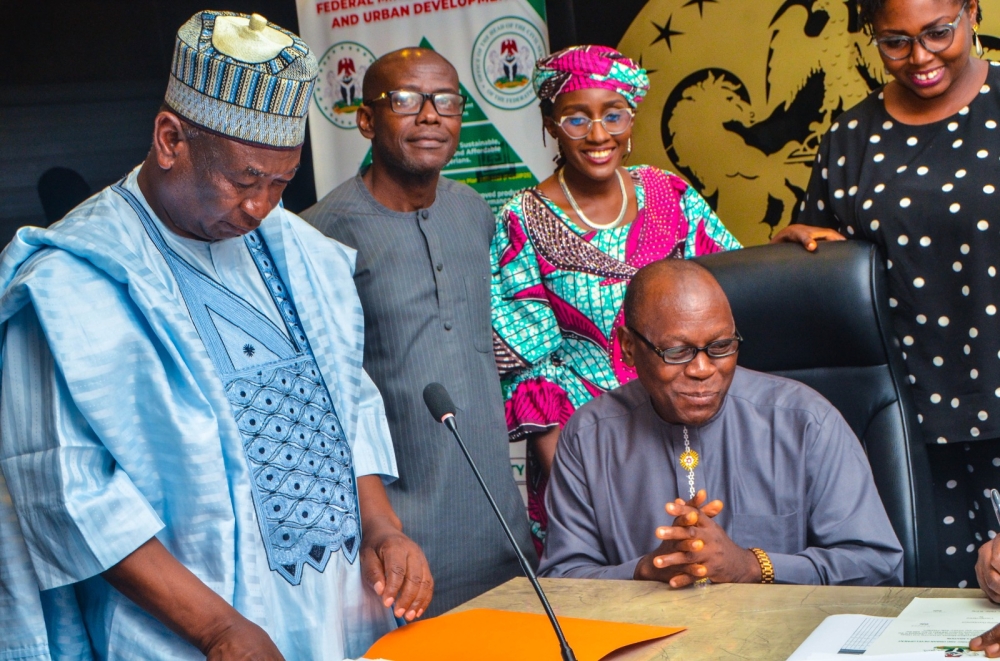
(583, 217)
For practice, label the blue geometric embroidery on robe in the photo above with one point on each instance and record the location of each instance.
(305, 492)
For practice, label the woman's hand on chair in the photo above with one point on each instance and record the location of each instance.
(807, 235)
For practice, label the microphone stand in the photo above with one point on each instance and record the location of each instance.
(564, 648)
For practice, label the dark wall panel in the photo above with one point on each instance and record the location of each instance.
(590, 21)
(90, 79)
(79, 41)
(101, 130)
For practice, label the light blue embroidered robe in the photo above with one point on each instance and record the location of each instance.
(115, 427)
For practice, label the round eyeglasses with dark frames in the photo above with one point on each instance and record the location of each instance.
(408, 102)
(615, 121)
(685, 354)
(932, 40)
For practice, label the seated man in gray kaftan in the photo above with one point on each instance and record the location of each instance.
(191, 455)
(794, 500)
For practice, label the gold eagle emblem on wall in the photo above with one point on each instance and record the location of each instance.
(742, 91)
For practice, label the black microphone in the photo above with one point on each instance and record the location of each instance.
(443, 409)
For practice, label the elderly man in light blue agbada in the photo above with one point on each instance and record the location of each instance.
(191, 456)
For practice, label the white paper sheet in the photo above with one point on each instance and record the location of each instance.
(914, 656)
(928, 625)
(850, 633)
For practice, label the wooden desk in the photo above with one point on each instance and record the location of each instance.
(765, 622)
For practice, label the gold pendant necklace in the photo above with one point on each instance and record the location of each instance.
(689, 461)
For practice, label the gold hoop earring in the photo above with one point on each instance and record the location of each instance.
(975, 40)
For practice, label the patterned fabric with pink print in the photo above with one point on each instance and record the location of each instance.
(557, 295)
(588, 67)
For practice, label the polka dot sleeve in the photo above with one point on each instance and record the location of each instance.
(814, 210)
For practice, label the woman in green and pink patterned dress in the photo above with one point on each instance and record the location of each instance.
(565, 251)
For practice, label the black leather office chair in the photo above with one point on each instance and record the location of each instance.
(822, 318)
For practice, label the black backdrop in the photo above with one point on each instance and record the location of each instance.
(83, 78)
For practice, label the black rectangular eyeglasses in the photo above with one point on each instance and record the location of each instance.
(685, 354)
(408, 102)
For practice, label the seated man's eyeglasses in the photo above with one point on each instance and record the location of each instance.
(407, 102)
(685, 354)
(933, 40)
(615, 121)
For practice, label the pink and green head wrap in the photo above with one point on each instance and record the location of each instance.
(589, 67)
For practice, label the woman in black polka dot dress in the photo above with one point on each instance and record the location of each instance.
(915, 169)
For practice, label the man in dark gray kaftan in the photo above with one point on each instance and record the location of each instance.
(795, 501)
(423, 278)
(793, 477)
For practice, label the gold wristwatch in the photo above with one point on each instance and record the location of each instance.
(766, 568)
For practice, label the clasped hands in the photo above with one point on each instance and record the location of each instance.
(694, 546)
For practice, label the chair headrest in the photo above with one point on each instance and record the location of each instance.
(801, 310)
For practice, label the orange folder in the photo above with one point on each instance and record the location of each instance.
(495, 635)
